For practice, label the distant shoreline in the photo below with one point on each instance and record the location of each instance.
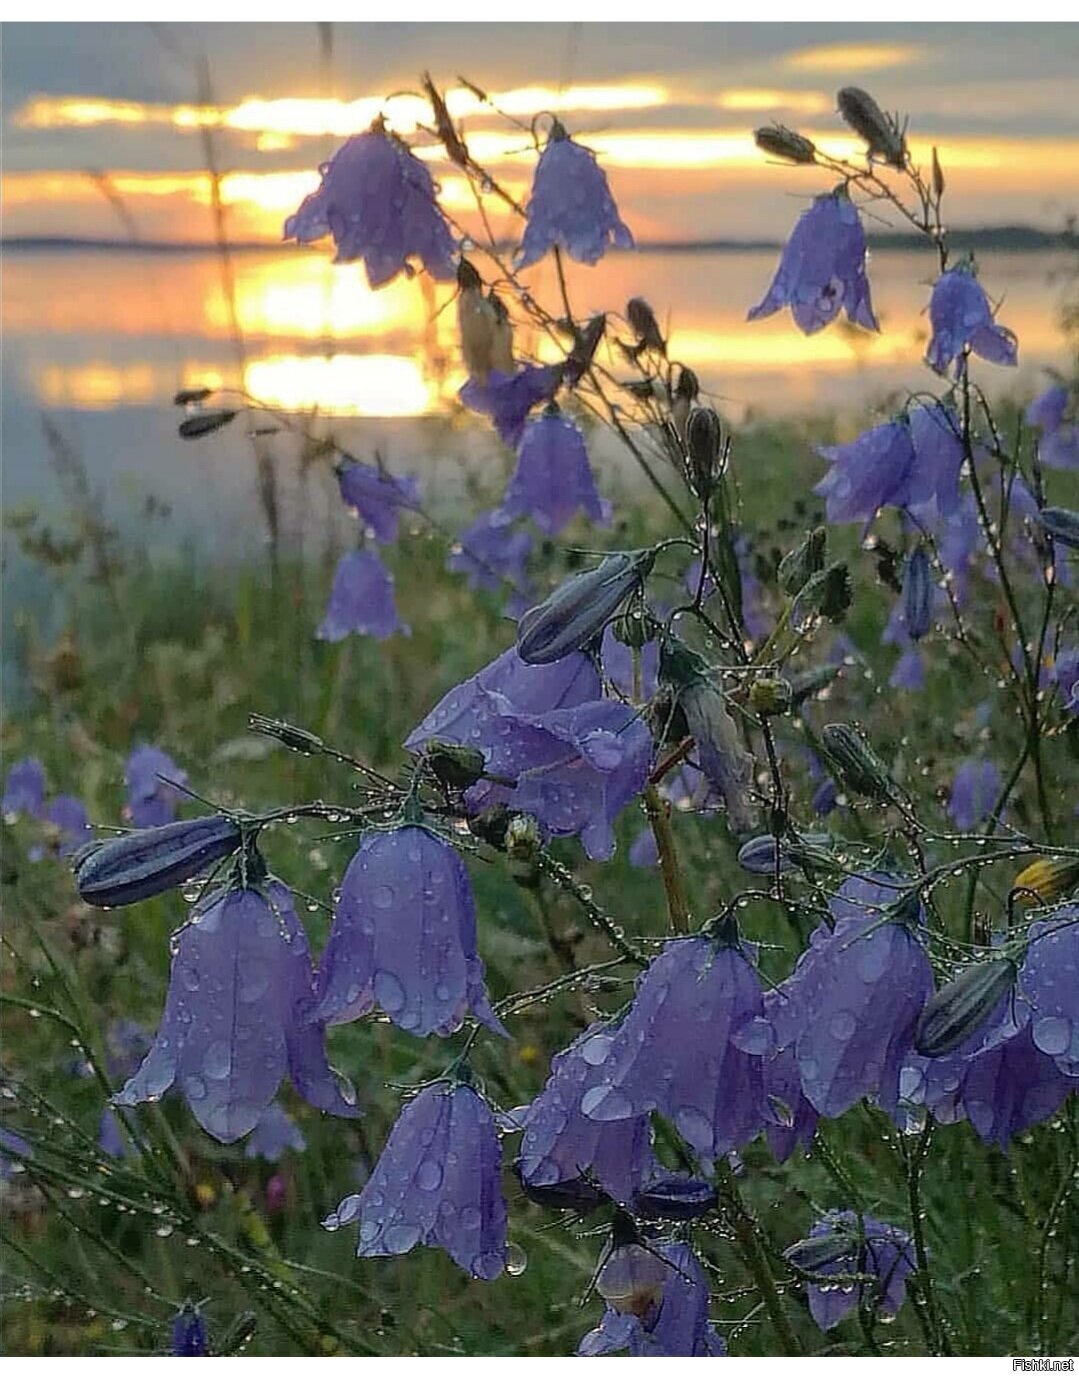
(1002, 238)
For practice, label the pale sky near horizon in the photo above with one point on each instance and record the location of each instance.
(102, 123)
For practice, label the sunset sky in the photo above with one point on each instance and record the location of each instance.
(103, 125)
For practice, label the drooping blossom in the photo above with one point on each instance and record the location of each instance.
(275, 1134)
(24, 790)
(236, 1016)
(562, 1144)
(1049, 987)
(508, 399)
(553, 478)
(67, 814)
(933, 486)
(189, 1338)
(870, 1247)
(974, 791)
(361, 600)
(822, 269)
(1058, 447)
(961, 316)
(151, 802)
(793, 1119)
(570, 205)
(491, 554)
(378, 201)
(437, 1182)
(577, 758)
(12, 1142)
(377, 497)
(656, 1305)
(404, 938)
(712, 1092)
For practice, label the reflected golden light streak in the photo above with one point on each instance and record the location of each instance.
(805, 102)
(848, 57)
(100, 385)
(343, 384)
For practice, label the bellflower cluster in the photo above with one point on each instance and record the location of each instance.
(571, 205)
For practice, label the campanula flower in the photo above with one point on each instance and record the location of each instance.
(975, 790)
(917, 594)
(377, 497)
(1058, 447)
(562, 1144)
(24, 790)
(1065, 675)
(933, 486)
(68, 815)
(657, 1305)
(12, 1142)
(508, 399)
(571, 205)
(404, 938)
(553, 478)
(871, 1247)
(151, 802)
(1049, 987)
(961, 316)
(189, 1338)
(1010, 1087)
(361, 600)
(870, 472)
(577, 759)
(822, 269)
(237, 1016)
(792, 1120)
(713, 1093)
(274, 1135)
(491, 554)
(437, 1182)
(378, 201)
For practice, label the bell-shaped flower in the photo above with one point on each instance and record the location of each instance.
(562, 1144)
(935, 435)
(838, 1245)
(151, 802)
(437, 1182)
(404, 938)
(961, 317)
(189, 1338)
(576, 759)
(275, 1134)
(553, 478)
(361, 600)
(24, 790)
(1049, 987)
(237, 1016)
(508, 399)
(712, 1090)
(657, 1305)
(851, 1004)
(793, 1119)
(377, 497)
(1058, 447)
(1011, 1086)
(571, 205)
(67, 815)
(378, 201)
(493, 555)
(974, 791)
(868, 473)
(822, 269)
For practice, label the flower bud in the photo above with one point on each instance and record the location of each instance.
(150, 861)
(704, 444)
(917, 595)
(643, 323)
(858, 765)
(781, 142)
(770, 697)
(678, 1198)
(938, 175)
(204, 423)
(758, 856)
(959, 1008)
(1061, 524)
(827, 593)
(191, 396)
(457, 767)
(1048, 878)
(585, 343)
(880, 131)
(811, 1254)
(295, 738)
(801, 563)
(812, 681)
(522, 837)
(577, 611)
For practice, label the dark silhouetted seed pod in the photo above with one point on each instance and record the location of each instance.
(1061, 524)
(807, 559)
(585, 343)
(204, 423)
(917, 595)
(858, 765)
(869, 122)
(781, 142)
(678, 1198)
(577, 611)
(959, 1008)
(191, 396)
(148, 862)
(643, 323)
(704, 445)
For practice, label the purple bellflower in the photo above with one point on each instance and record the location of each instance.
(1065, 675)
(1049, 987)
(1059, 444)
(657, 1305)
(24, 790)
(571, 205)
(274, 1135)
(490, 553)
(68, 815)
(883, 1251)
(437, 1182)
(377, 497)
(822, 269)
(10, 1141)
(712, 1093)
(577, 759)
(508, 399)
(237, 1016)
(562, 1144)
(404, 938)
(150, 801)
(553, 478)
(361, 600)
(189, 1339)
(378, 201)
(961, 316)
(974, 791)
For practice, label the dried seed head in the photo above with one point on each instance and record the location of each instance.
(880, 131)
(781, 142)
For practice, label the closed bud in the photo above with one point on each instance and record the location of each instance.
(780, 142)
(704, 444)
(857, 764)
(585, 343)
(189, 1332)
(578, 610)
(677, 1198)
(880, 131)
(827, 593)
(155, 859)
(811, 1254)
(917, 595)
(204, 423)
(1047, 879)
(1060, 524)
(522, 837)
(191, 396)
(457, 767)
(958, 1009)
(770, 697)
(643, 323)
(938, 176)
(295, 738)
(758, 856)
(801, 563)
(812, 681)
